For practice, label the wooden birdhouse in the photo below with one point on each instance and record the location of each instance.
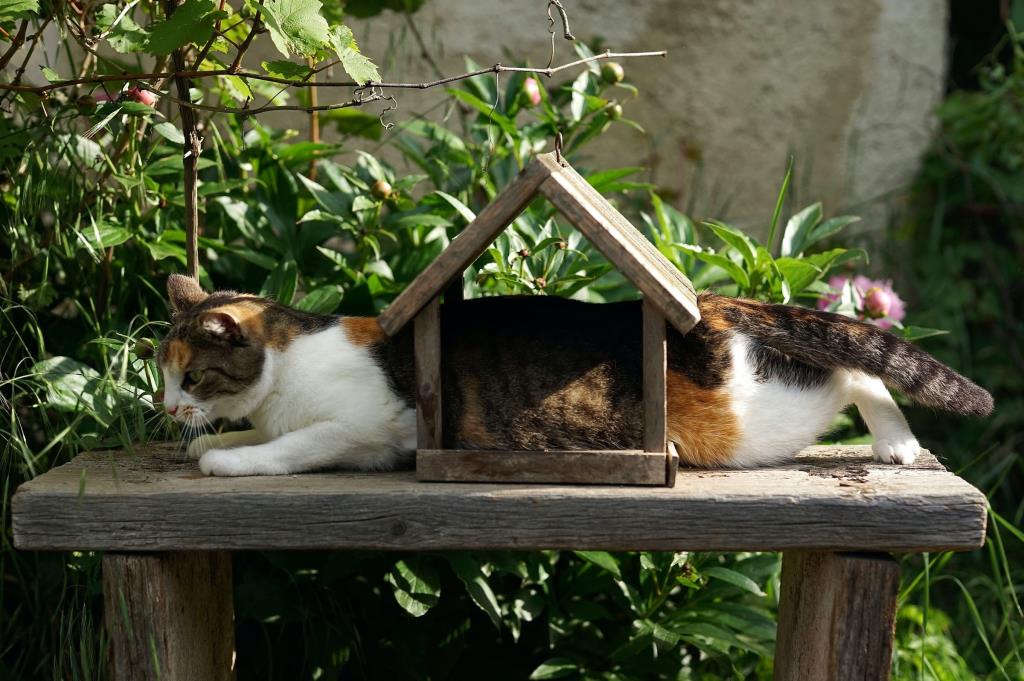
(668, 296)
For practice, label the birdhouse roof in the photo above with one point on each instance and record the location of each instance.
(605, 227)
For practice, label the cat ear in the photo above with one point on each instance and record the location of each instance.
(222, 324)
(184, 292)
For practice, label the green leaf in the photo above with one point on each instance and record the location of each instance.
(735, 238)
(914, 333)
(461, 208)
(356, 64)
(798, 228)
(609, 177)
(191, 22)
(281, 283)
(322, 300)
(416, 585)
(799, 273)
(603, 560)
(83, 149)
(75, 387)
(282, 68)
(296, 26)
(125, 36)
(103, 235)
(734, 578)
(472, 576)
(829, 227)
(555, 668)
(351, 121)
(50, 75)
(734, 271)
(779, 201)
(159, 250)
(170, 132)
(173, 165)
(17, 9)
(504, 122)
(333, 203)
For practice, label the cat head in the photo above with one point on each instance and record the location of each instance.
(214, 360)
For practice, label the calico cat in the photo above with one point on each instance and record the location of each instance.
(750, 385)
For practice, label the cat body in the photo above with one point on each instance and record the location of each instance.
(750, 385)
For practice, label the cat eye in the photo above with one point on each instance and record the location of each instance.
(194, 377)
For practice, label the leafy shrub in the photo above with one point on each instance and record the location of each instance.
(92, 216)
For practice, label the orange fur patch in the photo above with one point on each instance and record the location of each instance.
(712, 312)
(179, 353)
(700, 422)
(362, 330)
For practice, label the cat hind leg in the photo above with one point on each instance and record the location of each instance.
(893, 440)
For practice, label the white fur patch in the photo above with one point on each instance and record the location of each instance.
(777, 420)
(322, 402)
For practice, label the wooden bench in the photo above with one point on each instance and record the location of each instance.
(166, 532)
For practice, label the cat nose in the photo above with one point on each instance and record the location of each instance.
(171, 410)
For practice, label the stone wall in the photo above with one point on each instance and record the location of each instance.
(847, 87)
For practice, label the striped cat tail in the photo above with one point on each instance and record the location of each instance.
(832, 341)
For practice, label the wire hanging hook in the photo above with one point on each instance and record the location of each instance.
(566, 33)
(558, 148)
(392, 106)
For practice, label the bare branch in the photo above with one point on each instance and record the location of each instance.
(17, 42)
(232, 71)
(193, 146)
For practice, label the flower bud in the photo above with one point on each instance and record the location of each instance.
(381, 189)
(612, 72)
(141, 96)
(877, 302)
(531, 88)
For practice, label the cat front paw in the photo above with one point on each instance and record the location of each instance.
(201, 445)
(899, 450)
(223, 462)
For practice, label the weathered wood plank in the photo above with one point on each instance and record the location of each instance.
(627, 249)
(836, 616)
(466, 247)
(427, 356)
(655, 363)
(606, 467)
(828, 498)
(169, 615)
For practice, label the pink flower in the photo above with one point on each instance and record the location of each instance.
(141, 96)
(876, 303)
(532, 90)
(836, 284)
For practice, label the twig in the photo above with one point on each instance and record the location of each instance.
(193, 146)
(17, 42)
(314, 122)
(245, 111)
(232, 71)
(424, 52)
(248, 40)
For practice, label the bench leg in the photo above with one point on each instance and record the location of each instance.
(169, 615)
(837, 613)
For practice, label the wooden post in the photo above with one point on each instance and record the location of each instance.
(837, 614)
(169, 615)
(654, 360)
(428, 376)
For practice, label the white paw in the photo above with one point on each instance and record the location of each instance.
(224, 462)
(898, 450)
(201, 445)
